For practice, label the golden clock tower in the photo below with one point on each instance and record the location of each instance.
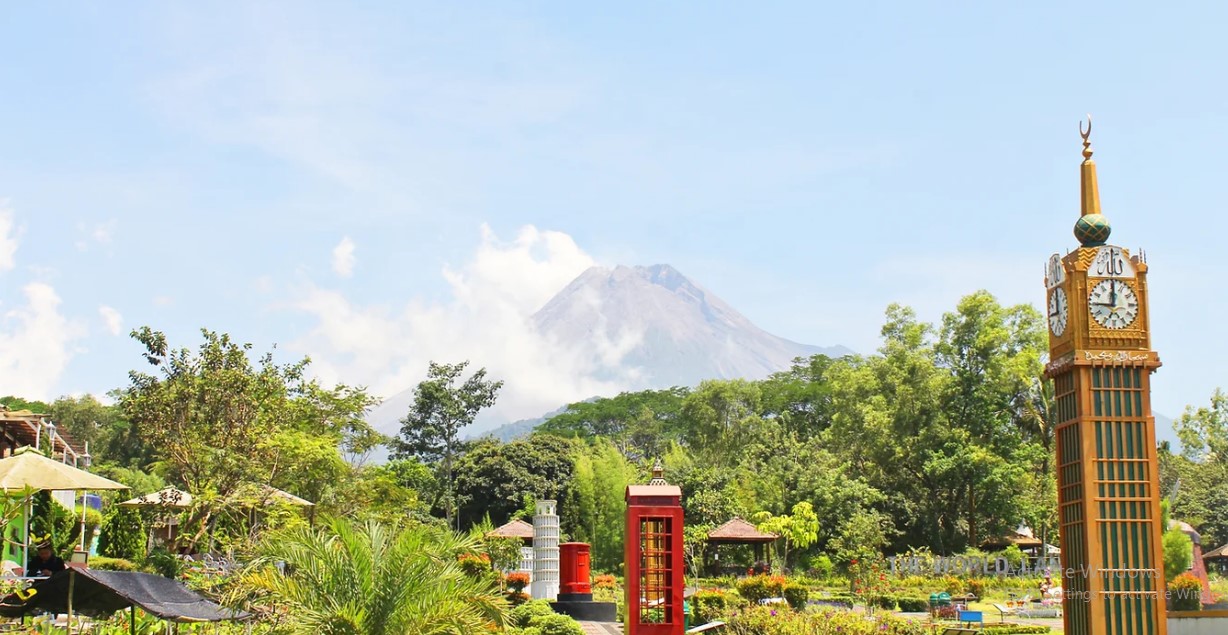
(1108, 481)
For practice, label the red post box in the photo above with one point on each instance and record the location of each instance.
(574, 571)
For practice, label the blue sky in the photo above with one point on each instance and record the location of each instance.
(378, 184)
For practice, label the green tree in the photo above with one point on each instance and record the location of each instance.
(800, 529)
(370, 579)
(217, 422)
(123, 535)
(494, 478)
(441, 409)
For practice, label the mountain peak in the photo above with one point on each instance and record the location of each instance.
(655, 325)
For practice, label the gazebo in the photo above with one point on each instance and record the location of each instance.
(1218, 558)
(740, 532)
(514, 529)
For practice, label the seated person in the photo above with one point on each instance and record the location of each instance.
(44, 562)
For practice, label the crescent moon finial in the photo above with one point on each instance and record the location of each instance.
(1086, 134)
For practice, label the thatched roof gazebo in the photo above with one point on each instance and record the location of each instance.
(740, 532)
(1218, 557)
(514, 529)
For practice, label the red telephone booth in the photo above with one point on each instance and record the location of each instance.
(574, 561)
(653, 558)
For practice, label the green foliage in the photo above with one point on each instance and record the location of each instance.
(522, 616)
(1014, 556)
(912, 604)
(49, 518)
(373, 579)
(555, 624)
(710, 605)
(164, 563)
(801, 529)
(796, 595)
(821, 566)
(430, 431)
(1178, 553)
(763, 620)
(760, 587)
(218, 422)
(495, 478)
(123, 535)
(104, 563)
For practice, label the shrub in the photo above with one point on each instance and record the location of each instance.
(885, 602)
(1178, 553)
(1014, 629)
(765, 620)
(821, 566)
(474, 564)
(103, 563)
(976, 586)
(164, 563)
(796, 595)
(517, 581)
(605, 581)
(1186, 592)
(123, 535)
(913, 604)
(711, 605)
(522, 615)
(556, 624)
(760, 587)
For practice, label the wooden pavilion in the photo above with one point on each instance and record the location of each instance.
(1217, 558)
(514, 529)
(740, 532)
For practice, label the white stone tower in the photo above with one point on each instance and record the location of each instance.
(545, 584)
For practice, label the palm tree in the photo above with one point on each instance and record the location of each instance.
(370, 579)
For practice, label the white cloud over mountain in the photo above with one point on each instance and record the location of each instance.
(484, 319)
(343, 258)
(36, 339)
(8, 239)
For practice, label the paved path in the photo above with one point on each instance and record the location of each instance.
(602, 628)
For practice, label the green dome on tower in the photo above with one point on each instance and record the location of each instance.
(1092, 230)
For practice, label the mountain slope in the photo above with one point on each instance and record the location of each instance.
(658, 329)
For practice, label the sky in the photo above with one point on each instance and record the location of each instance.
(379, 184)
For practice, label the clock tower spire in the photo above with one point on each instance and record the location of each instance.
(1107, 474)
(1092, 229)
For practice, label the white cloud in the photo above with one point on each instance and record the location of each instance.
(8, 239)
(343, 258)
(36, 340)
(112, 319)
(484, 321)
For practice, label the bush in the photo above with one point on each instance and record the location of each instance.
(474, 564)
(1186, 592)
(103, 563)
(913, 604)
(522, 615)
(821, 566)
(605, 581)
(123, 535)
(711, 605)
(886, 602)
(556, 624)
(760, 587)
(796, 595)
(1014, 629)
(517, 581)
(976, 586)
(1178, 553)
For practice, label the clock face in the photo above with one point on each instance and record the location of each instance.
(1058, 310)
(1113, 304)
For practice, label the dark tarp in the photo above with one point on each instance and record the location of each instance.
(99, 593)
